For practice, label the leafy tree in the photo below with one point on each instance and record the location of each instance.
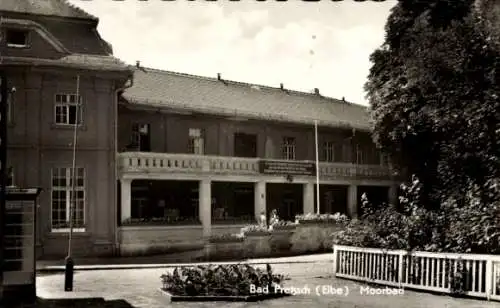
(434, 95)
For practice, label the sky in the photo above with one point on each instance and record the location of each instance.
(324, 45)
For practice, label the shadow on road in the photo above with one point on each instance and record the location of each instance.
(76, 303)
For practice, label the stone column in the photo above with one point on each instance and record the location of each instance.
(309, 198)
(126, 199)
(260, 199)
(352, 201)
(393, 195)
(205, 206)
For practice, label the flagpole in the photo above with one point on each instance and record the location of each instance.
(317, 164)
(68, 281)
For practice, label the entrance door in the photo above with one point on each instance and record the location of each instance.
(287, 209)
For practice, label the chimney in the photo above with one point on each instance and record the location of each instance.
(343, 99)
(316, 91)
(218, 77)
(281, 86)
(138, 64)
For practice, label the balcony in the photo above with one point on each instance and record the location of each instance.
(147, 162)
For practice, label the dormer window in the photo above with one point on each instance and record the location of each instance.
(17, 38)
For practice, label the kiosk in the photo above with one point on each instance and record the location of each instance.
(19, 264)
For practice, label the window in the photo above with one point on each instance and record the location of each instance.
(359, 154)
(164, 202)
(140, 137)
(288, 148)
(196, 143)
(233, 203)
(62, 201)
(346, 153)
(245, 145)
(329, 151)
(67, 111)
(16, 38)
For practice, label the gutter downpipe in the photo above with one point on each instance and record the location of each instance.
(115, 156)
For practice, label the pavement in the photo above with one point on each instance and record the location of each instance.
(139, 287)
(58, 266)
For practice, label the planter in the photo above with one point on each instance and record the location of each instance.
(214, 298)
(257, 244)
(280, 241)
(227, 250)
(314, 235)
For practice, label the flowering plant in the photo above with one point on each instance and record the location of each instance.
(253, 229)
(226, 238)
(337, 217)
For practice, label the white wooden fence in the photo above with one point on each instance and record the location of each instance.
(475, 275)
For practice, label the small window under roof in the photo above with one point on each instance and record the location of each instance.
(16, 37)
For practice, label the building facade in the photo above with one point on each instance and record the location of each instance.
(199, 156)
(46, 48)
(165, 159)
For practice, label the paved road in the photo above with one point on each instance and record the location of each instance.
(140, 288)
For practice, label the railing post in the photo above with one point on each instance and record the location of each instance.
(335, 249)
(205, 165)
(400, 268)
(489, 278)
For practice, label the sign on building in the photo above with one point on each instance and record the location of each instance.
(279, 167)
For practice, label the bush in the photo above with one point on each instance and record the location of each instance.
(466, 226)
(221, 280)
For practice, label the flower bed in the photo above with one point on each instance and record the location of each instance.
(221, 283)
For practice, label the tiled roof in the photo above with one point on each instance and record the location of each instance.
(90, 62)
(210, 95)
(60, 8)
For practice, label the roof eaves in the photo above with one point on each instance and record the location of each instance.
(62, 63)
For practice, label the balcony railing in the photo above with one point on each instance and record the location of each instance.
(139, 162)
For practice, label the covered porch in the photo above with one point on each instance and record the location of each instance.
(171, 202)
